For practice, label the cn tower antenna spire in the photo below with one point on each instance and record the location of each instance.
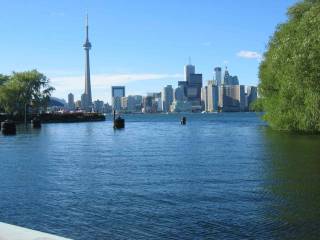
(87, 28)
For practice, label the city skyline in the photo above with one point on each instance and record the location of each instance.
(122, 54)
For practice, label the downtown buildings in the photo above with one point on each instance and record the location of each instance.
(221, 94)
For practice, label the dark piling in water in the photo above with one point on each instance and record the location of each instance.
(36, 123)
(8, 127)
(118, 123)
(183, 121)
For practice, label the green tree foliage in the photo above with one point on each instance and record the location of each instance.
(3, 79)
(21, 88)
(290, 72)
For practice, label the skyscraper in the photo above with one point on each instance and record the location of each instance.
(204, 98)
(218, 74)
(194, 87)
(117, 93)
(188, 70)
(226, 78)
(71, 105)
(167, 98)
(87, 47)
(212, 97)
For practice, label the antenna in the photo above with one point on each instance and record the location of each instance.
(87, 27)
(189, 60)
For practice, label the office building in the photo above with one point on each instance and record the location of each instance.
(117, 92)
(188, 70)
(167, 98)
(251, 96)
(181, 106)
(71, 104)
(233, 98)
(147, 106)
(204, 98)
(84, 103)
(226, 77)
(179, 94)
(98, 106)
(218, 76)
(212, 97)
(242, 98)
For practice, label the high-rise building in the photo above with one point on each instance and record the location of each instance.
(107, 108)
(230, 80)
(147, 104)
(212, 97)
(251, 96)
(84, 102)
(71, 104)
(78, 104)
(87, 46)
(179, 93)
(242, 98)
(194, 89)
(204, 98)
(218, 76)
(167, 98)
(188, 70)
(156, 101)
(117, 92)
(226, 77)
(98, 106)
(234, 80)
(231, 98)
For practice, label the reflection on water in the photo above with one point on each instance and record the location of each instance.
(222, 176)
(293, 178)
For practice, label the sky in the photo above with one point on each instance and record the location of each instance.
(141, 44)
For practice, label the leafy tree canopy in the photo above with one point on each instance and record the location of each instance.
(290, 72)
(21, 88)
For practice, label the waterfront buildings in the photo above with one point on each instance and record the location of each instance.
(86, 98)
(131, 104)
(220, 94)
(230, 96)
(181, 106)
(117, 92)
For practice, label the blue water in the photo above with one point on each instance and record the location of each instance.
(222, 176)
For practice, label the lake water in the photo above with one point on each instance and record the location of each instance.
(222, 176)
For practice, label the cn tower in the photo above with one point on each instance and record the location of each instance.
(87, 47)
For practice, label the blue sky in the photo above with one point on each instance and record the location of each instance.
(142, 44)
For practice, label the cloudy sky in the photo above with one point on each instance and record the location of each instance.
(141, 44)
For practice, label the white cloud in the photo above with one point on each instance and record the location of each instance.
(249, 55)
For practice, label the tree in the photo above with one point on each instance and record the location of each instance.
(290, 72)
(21, 88)
(3, 79)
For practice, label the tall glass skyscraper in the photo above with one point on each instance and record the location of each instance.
(117, 93)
